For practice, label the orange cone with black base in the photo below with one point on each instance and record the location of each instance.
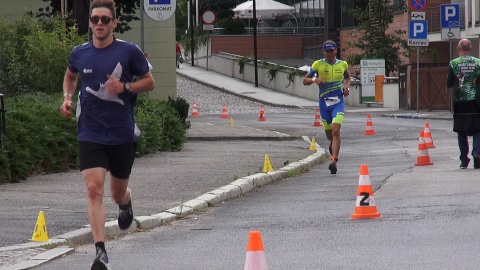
(262, 114)
(428, 136)
(224, 111)
(369, 127)
(423, 158)
(255, 259)
(317, 122)
(194, 109)
(365, 204)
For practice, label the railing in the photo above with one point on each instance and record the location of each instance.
(266, 31)
(3, 126)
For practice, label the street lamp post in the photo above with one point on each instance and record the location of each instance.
(255, 42)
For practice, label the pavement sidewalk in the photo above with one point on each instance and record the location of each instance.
(219, 162)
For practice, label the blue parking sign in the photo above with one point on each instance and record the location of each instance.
(450, 16)
(418, 29)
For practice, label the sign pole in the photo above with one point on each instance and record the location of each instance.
(142, 27)
(208, 41)
(418, 76)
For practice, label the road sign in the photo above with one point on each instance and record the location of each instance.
(418, 42)
(417, 16)
(417, 5)
(418, 29)
(208, 17)
(450, 21)
(159, 10)
(450, 16)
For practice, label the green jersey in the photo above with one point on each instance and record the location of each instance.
(463, 74)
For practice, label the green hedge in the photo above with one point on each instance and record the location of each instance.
(40, 140)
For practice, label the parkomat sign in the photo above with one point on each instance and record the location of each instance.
(159, 10)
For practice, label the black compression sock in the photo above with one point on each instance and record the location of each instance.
(100, 246)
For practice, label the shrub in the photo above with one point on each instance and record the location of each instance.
(39, 140)
(181, 107)
(34, 54)
(232, 26)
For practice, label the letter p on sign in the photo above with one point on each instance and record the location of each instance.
(417, 29)
(450, 12)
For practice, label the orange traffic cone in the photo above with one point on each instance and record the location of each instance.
(262, 114)
(255, 259)
(365, 205)
(423, 158)
(224, 111)
(369, 128)
(194, 110)
(317, 122)
(428, 136)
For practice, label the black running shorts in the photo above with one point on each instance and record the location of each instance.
(118, 159)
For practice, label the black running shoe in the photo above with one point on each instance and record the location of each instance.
(464, 165)
(125, 215)
(330, 148)
(100, 262)
(476, 162)
(333, 168)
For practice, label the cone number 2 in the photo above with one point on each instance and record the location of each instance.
(364, 202)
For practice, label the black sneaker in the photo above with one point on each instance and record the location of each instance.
(476, 162)
(125, 215)
(100, 262)
(464, 164)
(333, 168)
(330, 148)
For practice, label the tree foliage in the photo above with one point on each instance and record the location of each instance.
(78, 13)
(372, 38)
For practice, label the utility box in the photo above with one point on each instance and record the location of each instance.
(379, 80)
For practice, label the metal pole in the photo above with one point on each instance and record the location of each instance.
(3, 128)
(192, 46)
(196, 11)
(142, 32)
(255, 42)
(451, 92)
(418, 76)
(208, 41)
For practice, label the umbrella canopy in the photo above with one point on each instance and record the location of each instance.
(264, 9)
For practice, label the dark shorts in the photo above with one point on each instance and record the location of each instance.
(118, 159)
(466, 117)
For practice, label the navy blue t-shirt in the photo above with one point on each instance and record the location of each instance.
(103, 117)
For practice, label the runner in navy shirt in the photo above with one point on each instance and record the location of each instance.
(112, 72)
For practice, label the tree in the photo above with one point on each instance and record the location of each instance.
(372, 38)
(78, 13)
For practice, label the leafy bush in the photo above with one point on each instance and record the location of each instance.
(181, 107)
(162, 129)
(232, 26)
(39, 140)
(34, 54)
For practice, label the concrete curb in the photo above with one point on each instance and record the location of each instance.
(233, 190)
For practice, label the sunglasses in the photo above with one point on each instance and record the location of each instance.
(104, 19)
(329, 51)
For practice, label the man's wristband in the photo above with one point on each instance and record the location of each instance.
(67, 95)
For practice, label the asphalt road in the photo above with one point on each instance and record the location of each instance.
(429, 214)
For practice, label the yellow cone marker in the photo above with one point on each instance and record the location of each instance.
(267, 166)
(40, 233)
(231, 122)
(313, 145)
